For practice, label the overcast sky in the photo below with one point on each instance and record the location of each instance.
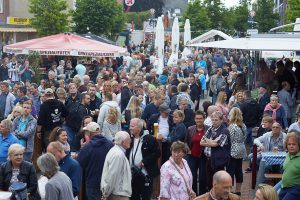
(230, 3)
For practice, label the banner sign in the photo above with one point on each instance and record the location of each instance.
(18, 21)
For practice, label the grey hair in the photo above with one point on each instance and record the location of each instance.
(48, 164)
(120, 137)
(7, 124)
(220, 175)
(182, 99)
(139, 122)
(14, 148)
(217, 114)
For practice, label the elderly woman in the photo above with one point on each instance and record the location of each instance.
(217, 146)
(238, 133)
(176, 177)
(277, 111)
(18, 170)
(291, 175)
(265, 192)
(59, 185)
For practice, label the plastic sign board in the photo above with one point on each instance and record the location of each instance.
(252, 31)
(18, 21)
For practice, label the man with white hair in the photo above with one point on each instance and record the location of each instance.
(116, 174)
(91, 158)
(6, 139)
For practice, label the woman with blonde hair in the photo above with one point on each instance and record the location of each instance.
(133, 110)
(17, 111)
(237, 131)
(61, 95)
(221, 103)
(112, 124)
(265, 192)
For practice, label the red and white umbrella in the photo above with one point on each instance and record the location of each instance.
(65, 44)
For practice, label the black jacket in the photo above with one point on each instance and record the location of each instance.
(51, 113)
(251, 112)
(76, 114)
(27, 175)
(126, 94)
(150, 153)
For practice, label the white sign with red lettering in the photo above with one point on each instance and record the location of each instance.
(129, 2)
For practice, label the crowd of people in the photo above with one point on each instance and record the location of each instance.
(117, 129)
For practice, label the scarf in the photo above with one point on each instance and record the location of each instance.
(274, 110)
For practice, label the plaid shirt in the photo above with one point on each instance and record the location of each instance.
(212, 133)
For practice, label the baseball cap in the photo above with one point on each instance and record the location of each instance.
(92, 127)
(48, 91)
(164, 108)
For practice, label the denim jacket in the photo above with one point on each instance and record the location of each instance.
(29, 132)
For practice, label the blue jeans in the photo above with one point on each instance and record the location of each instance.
(249, 139)
(93, 193)
(195, 164)
(291, 193)
(214, 98)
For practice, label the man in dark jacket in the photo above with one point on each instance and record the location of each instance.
(264, 97)
(67, 164)
(127, 93)
(73, 96)
(251, 115)
(195, 91)
(91, 158)
(74, 119)
(52, 112)
(143, 153)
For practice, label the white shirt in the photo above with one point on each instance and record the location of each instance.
(136, 153)
(163, 126)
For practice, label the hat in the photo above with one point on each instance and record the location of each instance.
(48, 91)
(164, 108)
(263, 85)
(92, 127)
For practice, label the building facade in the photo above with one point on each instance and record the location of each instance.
(15, 21)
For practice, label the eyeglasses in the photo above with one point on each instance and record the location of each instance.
(276, 127)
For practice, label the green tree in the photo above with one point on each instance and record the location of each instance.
(265, 16)
(99, 17)
(241, 16)
(293, 11)
(146, 5)
(215, 10)
(198, 15)
(138, 18)
(49, 16)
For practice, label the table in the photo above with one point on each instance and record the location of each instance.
(269, 159)
(272, 158)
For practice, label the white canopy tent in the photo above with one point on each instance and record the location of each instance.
(210, 34)
(267, 42)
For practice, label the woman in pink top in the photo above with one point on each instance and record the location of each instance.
(176, 177)
(221, 103)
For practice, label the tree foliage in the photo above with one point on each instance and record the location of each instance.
(49, 16)
(146, 5)
(265, 16)
(138, 18)
(99, 17)
(198, 15)
(241, 16)
(293, 11)
(215, 10)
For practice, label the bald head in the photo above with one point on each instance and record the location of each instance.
(220, 176)
(212, 109)
(222, 184)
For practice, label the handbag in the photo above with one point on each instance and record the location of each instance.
(191, 193)
(19, 190)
